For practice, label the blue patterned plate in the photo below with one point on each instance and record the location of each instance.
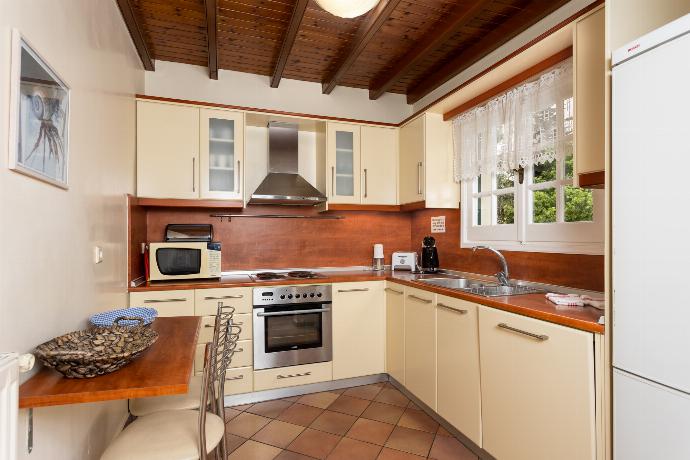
(106, 318)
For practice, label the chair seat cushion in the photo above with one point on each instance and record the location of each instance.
(167, 435)
(190, 400)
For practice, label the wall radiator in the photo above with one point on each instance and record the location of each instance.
(9, 403)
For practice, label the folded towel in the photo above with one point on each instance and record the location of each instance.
(574, 300)
(593, 302)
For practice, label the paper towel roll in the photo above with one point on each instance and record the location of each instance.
(378, 251)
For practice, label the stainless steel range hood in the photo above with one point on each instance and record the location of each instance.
(283, 184)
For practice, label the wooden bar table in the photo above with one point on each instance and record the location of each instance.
(163, 369)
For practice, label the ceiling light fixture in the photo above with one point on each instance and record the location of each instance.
(347, 8)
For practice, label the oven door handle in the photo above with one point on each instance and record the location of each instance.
(293, 312)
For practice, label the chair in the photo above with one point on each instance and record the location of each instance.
(184, 434)
(140, 407)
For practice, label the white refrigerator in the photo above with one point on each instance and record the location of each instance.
(651, 245)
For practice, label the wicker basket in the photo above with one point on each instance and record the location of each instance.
(96, 351)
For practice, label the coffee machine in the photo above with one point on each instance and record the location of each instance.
(429, 255)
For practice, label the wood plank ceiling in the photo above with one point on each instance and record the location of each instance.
(402, 46)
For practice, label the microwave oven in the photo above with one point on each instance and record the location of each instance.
(183, 260)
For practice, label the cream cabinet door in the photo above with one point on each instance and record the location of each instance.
(358, 329)
(589, 64)
(221, 147)
(420, 345)
(457, 361)
(168, 303)
(343, 154)
(411, 176)
(379, 175)
(395, 331)
(167, 150)
(537, 385)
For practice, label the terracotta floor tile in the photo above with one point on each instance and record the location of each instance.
(349, 405)
(314, 443)
(246, 424)
(339, 391)
(333, 422)
(411, 441)
(231, 414)
(443, 432)
(321, 400)
(412, 405)
(351, 449)
(271, 409)
(252, 450)
(364, 392)
(392, 396)
(278, 434)
(370, 431)
(300, 414)
(448, 448)
(287, 455)
(291, 398)
(392, 454)
(232, 442)
(383, 413)
(242, 407)
(418, 420)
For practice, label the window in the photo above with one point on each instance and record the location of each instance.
(514, 158)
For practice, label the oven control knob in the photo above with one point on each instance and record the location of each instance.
(282, 296)
(289, 296)
(304, 295)
(311, 295)
(318, 295)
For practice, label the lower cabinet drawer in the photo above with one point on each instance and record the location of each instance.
(239, 380)
(244, 321)
(167, 303)
(206, 301)
(291, 376)
(243, 357)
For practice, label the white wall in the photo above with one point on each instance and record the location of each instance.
(48, 283)
(183, 81)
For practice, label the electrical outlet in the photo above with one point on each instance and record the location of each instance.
(97, 254)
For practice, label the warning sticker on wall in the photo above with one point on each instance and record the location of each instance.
(438, 224)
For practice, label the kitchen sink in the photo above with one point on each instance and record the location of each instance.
(480, 288)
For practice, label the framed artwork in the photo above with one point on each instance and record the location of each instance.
(39, 116)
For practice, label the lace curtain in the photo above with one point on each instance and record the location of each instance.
(529, 124)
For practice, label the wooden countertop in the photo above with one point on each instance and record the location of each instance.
(163, 369)
(532, 305)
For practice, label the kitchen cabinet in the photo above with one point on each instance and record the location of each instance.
(457, 366)
(537, 388)
(281, 377)
(395, 332)
(189, 152)
(206, 300)
(589, 79)
(167, 150)
(343, 163)
(358, 329)
(168, 303)
(426, 163)
(420, 345)
(379, 165)
(221, 147)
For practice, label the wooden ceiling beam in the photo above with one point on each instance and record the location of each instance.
(288, 41)
(441, 33)
(365, 33)
(517, 24)
(129, 15)
(212, 37)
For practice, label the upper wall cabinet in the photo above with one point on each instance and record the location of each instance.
(589, 62)
(426, 163)
(188, 152)
(362, 164)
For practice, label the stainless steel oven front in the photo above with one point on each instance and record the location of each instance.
(292, 325)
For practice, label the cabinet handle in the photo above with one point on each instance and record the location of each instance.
(365, 183)
(237, 182)
(418, 299)
(332, 180)
(193, 174)
(448, 307)
(393, 291)
(224, 297)
(419, 178)
(208, 325)
(239, 350)
(353, 290)
(239, 377)
(292, 376)
(164, 300)
(540, 337)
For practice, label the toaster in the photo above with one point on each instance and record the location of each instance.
(404, 261)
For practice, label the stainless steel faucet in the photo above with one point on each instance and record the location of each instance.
(503, 276)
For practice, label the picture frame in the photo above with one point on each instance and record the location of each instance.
(39, 116)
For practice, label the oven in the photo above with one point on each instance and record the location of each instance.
(292, 325)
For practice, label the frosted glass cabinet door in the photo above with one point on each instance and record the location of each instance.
(222, 153)
(343, 163)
